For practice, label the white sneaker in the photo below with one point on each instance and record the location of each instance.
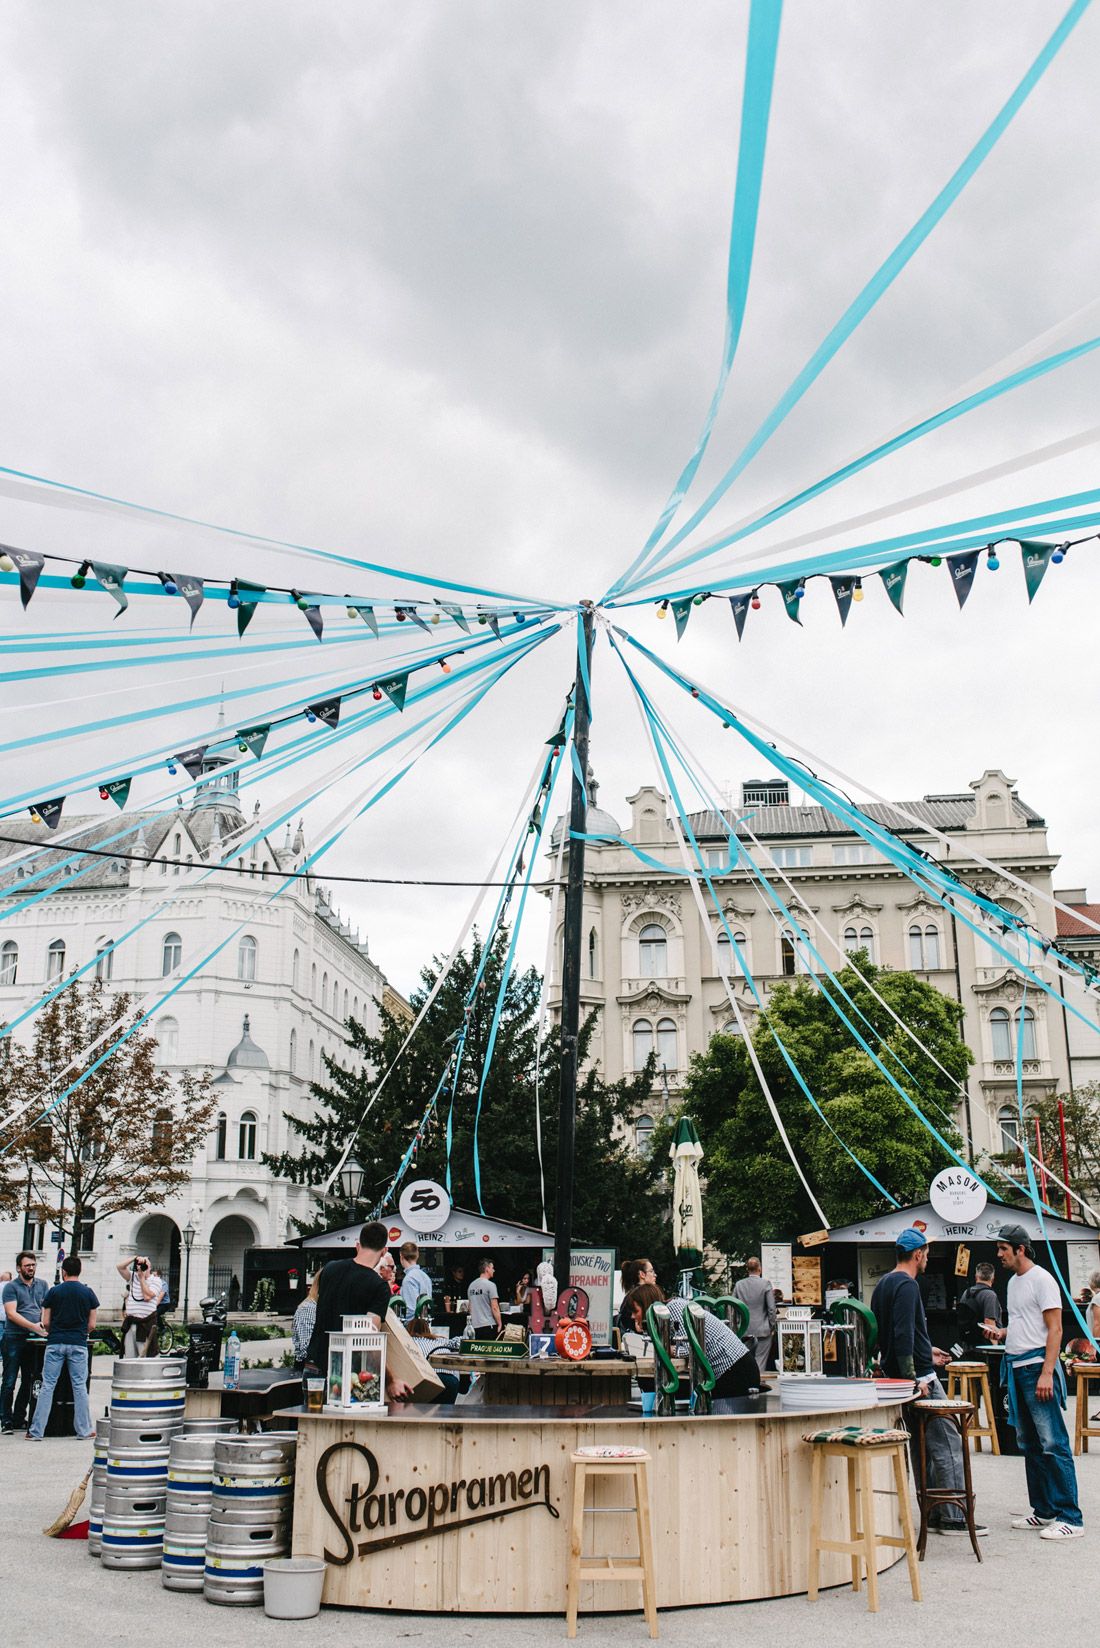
(1033, 1523)
(1062, 1530)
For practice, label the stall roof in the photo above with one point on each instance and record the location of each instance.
(463, 1229)
(884, 1227)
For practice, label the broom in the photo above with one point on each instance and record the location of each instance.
(57, 1527)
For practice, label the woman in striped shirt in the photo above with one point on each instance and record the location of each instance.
(735, 1369)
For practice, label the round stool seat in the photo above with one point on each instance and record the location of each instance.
(943, 1404)
(1085, 1367)
(857, 1436)
(610, 1452)
(967, 1367)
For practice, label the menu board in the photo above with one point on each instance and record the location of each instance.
(807, 1279)
(775, 1263)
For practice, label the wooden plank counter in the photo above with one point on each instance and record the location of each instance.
(442, 1510)
(555, 1382)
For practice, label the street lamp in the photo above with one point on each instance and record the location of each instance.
(352, 1175)
(188, 1234)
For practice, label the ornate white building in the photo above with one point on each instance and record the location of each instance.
(258, 1016)
(648, 962)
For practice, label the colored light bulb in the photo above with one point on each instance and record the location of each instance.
(857, 591)
(698, 601)
(104, 793)
(991, 560)
(481, 618)
(170, 585)
(172, 769)
(400, 614)
(376, 694)
(754, 603)
(80, 577)
(800, 592)
(662, 610)
(6, 563)
(444, 666)
(310, 716)
(233, 600)
(243, 747)
(436, 617)
(695, 692)
(351, 612)
(520, 617)
(1058, 556)
(936, 560)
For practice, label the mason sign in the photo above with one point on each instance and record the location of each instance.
(957, 1196)
(368, 1519)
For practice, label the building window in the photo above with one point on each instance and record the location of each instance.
(220, 1137)
(246, 1137)
(666, 1044)
(35, 1228)
(1000, 1029)
(246, 959)
(653, 951)
(1008, 1120)
(727, 956)
(104, 960)
(55, 960)
(1025, 1031)
(313, 982)
(312, 1059)
(792, 858)
(293, 1050)
(592, 973)
(294, 961)
(730, 1028)
(84, 1239)
(177, 853)
(642, 1034)
(792, 953)
(171, 954)
(857, 852)
(9, 961)
(324, 992)
(168, 1041)
(162, 1131)
(347, 1004)
(924, 948)
(859, 938)
(643, 1135)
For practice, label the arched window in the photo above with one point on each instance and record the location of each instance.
(924, 948)
(642, 1034)
(177, 852)
(859, 938)
(220, 1137)
(162, 1131)
(171, 954)
(294, 961)
(324, 992)
(355, 1008)
(1025, 1030)
(246, 1137)
(347, 1004)
(592, 973)
(312, 1059)
(730, 1028)
(1008, 1120)
(168, 1041)
(313, 982)
(55, 960)
(666, 1044)
(643, 1135)
(104, 960)
(1000, 1029)
(653, 951)
(293, 1050)
(246, 958)
(9, 961)
(792, 952)
(727, 956)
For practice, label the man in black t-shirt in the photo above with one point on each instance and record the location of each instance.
(68, 1315)
(353, 1287)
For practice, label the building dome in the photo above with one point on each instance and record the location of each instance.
(247, 1055)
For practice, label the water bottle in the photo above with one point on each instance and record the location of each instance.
(232, 1376)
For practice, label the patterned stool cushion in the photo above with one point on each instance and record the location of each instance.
(857, 1436)
(610, 1452)
(944, 1404)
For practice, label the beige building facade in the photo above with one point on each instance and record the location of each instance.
(659, 977)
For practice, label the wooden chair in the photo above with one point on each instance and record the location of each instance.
(1083, 1428)
(969, 1381)
(622, 1462)
(865, 1540)
(959, 1414)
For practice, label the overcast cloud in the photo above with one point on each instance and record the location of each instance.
(442, 286)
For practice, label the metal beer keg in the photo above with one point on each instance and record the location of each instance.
(99, 1486)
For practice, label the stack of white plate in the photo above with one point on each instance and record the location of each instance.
(894, 1390)
(810, 1393)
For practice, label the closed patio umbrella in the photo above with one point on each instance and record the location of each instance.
(687, 1198)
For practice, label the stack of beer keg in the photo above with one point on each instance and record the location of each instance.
(147, 1396)
(250, 1511)
(187, 1502)
(99, 1485)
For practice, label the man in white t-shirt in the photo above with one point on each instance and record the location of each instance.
(484, 1320)
(1037, 1389)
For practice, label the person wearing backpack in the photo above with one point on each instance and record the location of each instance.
(977, 1305)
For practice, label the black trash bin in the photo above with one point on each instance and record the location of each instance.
(204, 1353)
(62, 1420)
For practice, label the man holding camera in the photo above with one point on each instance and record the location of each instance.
(144, 1293)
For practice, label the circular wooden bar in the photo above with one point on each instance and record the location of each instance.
(555, 1383)
(441, 1510)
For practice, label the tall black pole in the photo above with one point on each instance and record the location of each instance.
(571, 961)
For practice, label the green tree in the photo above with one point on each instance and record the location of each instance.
(753, 1192)
(1080, 1111)
(620, 1198)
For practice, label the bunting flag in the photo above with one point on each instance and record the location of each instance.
(681, 611)
(29, 566)
(395, 687)
(191, 760)
(402, 613)
(251, 740)
(1036, 558)
(739, 606)
(367, 615)
(327, 710)
(490, 618)
(48, 812)
(963, 568)
(112, 577)
(893, 582)
(116, 790)
(457, 614)
(312, 614)
(842, 590)
(193, 592)
(792, 594)
(246, 608)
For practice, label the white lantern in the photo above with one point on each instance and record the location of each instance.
(356, 1381)
(800, 1349)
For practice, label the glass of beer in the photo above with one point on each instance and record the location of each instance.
(315, 1395)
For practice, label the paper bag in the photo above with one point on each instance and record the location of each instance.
(406, 1361)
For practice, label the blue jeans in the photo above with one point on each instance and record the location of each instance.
(56, 1357)
(1048, 1459)
(13, 1349)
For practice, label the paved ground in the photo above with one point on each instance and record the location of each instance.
(1026, 1590)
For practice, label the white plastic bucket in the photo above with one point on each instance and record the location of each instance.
(293, 1586)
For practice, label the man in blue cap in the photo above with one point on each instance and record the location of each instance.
(907, 1352)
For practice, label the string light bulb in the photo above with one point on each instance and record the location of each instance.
(662, 610)
(172, 769)
(104, 793)
(376, 694)
(481, 618)
(1058, 555)
(699, 599)
(520, 618)
(436, 616)
(444, 666)
(242, 746)
(299, 600)
(351, 612)
(6, 563)
(80, 576)
(857, 590)
(991, 559)
(754, 600)
(36, 816)
(170, 585)
(935, 560)
(695, 692)
(233, 600)
(309, 715)
(400, 614)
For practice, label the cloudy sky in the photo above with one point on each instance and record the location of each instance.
(442, 286)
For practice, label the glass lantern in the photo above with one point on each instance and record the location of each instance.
(800, 1349)
(356, 1378)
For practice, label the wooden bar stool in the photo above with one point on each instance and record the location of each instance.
(610, 1461)
(958, 1414)
(858, 1446)
(969, 1381)
(1083, 1427)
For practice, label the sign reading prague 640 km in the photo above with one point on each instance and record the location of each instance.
(424, 1206)
(957, 1196)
